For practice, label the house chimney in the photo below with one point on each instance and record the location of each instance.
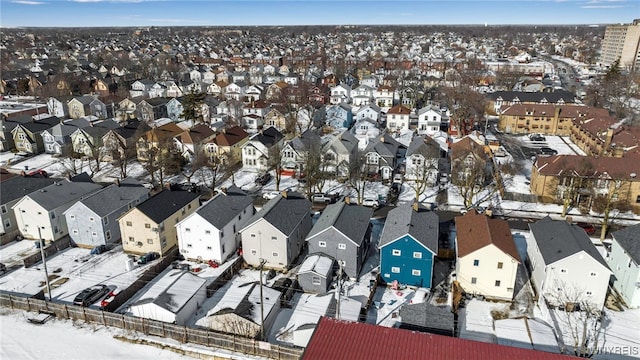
(607, 140)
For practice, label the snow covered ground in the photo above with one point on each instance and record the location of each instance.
(66, 339)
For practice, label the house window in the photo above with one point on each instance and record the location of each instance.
(497, 283)
(322, 243)
(474, 280)
(222, 234)
(108, 234)
(131, 239)
(342, 246)
(208, 247)
(163, 242)
(4, 209)
(415, 272)
(396, 252)
(187, 229)
(315, 280)
(274, 238)
(91, 219)
(208, 232)
(563, 271)
(589, 293)
(593, 274)
(500, 265)
(149, 241)
(106, 221)
(253, 235)
(72, 217)
(274, 254)
(395, 270)
(147, 226)
(75, 231)
(94, 234)
(476, 262)
(638, 199)
(7, 223)
(417, 255)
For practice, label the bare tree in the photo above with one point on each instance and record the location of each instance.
(315, 169)
(423, 171)
(571, 182)
(612, 202)
(357, 179)
(72, 162)
(471, 178)
(580, 321)
(274, 162)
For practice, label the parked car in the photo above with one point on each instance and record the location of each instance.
(91, 295)
(371, 202)
(536, 137)
(98, 250)
(263, 179)
(547, 151)
(270, 194)
(324, 198)
(148, 257)
(109, 298)
(588, 228)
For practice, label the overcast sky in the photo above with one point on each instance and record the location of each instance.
(71, 13)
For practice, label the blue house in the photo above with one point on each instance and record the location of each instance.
(339, 116)
(408, 245)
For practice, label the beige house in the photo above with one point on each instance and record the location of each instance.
(587, 177)
(487, 257)
(228, 144)
(150, 226)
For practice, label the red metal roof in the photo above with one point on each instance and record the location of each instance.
(337, 339)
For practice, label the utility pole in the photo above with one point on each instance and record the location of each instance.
(44, 262)
(262, 262)
(339, 289)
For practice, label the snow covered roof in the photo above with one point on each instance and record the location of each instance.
(316, 263)
(173, 290)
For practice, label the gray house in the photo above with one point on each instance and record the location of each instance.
(59, 135)
(315, 274)
(13, 189)
(276, 233)
(94, 220)
(343, 232)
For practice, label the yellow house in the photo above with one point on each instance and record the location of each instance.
(546, 119)
(150, 226)
(160, 137)
(228, 144)
(587, 177)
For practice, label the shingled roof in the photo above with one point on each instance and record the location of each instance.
(165, 203)
(558, 240)
(422, 225)
(628, 240)
(223, 207)
(284, 213)
(475, 231)
(350, 219)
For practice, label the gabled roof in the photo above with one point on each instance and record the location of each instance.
(306, 140)
(558, 240)
(399, 110)
(18, 186)
(475, 231)
(425, 146)
(384, 145)
(114, 197)
(230, 136)
(466, 146)
(173, 290)
(317, 263)
(196, 134)
(165, 203)
(339, 339)
(268, 137)
(589, 167)
(422, 225)
(627, 238)
(427, 316)
(533, 97)
(350, 219)
(223, 207)
(62, 192)
(284, 213)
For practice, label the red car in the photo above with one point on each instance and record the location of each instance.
(588, 228)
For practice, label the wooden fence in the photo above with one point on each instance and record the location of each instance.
(156, 328)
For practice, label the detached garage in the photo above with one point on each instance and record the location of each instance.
(174, 298)
(315, 274)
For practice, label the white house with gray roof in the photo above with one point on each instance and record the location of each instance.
(13, 190)
(276, 233)
(422, 157)
(172, 297)
(343, 232)
(93, 221)
(44, 208)
(210, 233)
(624, 261)
(566, 268)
